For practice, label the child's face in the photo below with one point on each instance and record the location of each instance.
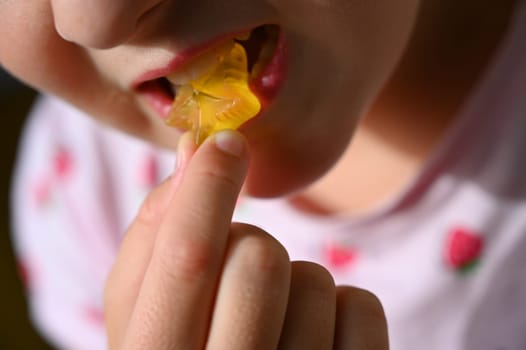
(95, 53)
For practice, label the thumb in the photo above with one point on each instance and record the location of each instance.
(125, 278)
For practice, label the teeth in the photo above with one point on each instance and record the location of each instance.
(174, 88)
(265, 55)
(243, 36)
(200, 66)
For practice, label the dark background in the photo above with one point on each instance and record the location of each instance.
(16, 332)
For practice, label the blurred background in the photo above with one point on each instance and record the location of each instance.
(16, 332)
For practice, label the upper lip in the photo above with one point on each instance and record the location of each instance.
(182, 58)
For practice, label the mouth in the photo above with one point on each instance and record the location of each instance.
(266, 52)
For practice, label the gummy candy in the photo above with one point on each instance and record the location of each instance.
(216, 98)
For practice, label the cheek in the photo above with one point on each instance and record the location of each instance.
(32, 50)
(361, 36)
(379, 33)
(372, 35)
(376, 36)
(26, 34)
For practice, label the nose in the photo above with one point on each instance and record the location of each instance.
(99, 24)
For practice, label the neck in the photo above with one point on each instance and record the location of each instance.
(452, 46)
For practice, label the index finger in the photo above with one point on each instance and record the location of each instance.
(174, 305)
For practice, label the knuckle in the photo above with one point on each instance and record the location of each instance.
(363, 300)
(314, 278)
(259, 251)
(154, 205)
(190, 260)
(149, 212)
(360, 320)
(267, 256)
(221, 178)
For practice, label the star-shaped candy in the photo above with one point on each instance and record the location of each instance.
(218, 99)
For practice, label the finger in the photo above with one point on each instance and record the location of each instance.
(360, 321)
(253, 292)
(311, 309)
(174, 306)
(125, 278)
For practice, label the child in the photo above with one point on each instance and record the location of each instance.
(426, 208)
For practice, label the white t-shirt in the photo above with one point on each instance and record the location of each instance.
(446, 256)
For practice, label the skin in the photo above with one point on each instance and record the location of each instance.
(226, 286)
(355, 59)
(100, 49)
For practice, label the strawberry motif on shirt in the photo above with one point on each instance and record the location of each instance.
(93, 315)
(463, 249)
(339, 255)
(63, 162)
(149, 171)
(47, 180)
(24, 273)
(41, 191)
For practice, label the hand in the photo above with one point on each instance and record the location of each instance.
(188, 278)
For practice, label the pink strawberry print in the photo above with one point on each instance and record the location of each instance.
(463, 248)
(149, 171)
(24, 273)
(63, 162)
(41, 191)
(94, 315)
(339, 256)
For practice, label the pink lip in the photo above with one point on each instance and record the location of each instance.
(147, 86)
(265, 86)
(176, 63)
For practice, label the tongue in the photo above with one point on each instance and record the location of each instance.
(216, 98)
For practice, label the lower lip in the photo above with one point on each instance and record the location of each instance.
(265, 86)
(155, 95)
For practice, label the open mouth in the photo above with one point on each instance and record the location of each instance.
(260, 47)
(265, 69)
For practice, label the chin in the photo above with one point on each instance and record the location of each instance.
(287, 165)
(279, 177)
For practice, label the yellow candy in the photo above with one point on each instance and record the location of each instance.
(219, 98)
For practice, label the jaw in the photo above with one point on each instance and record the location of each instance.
(286, 157)
(285, 166)
(304, 133)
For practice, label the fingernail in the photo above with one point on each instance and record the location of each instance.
(230, 142)
(185, 149)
